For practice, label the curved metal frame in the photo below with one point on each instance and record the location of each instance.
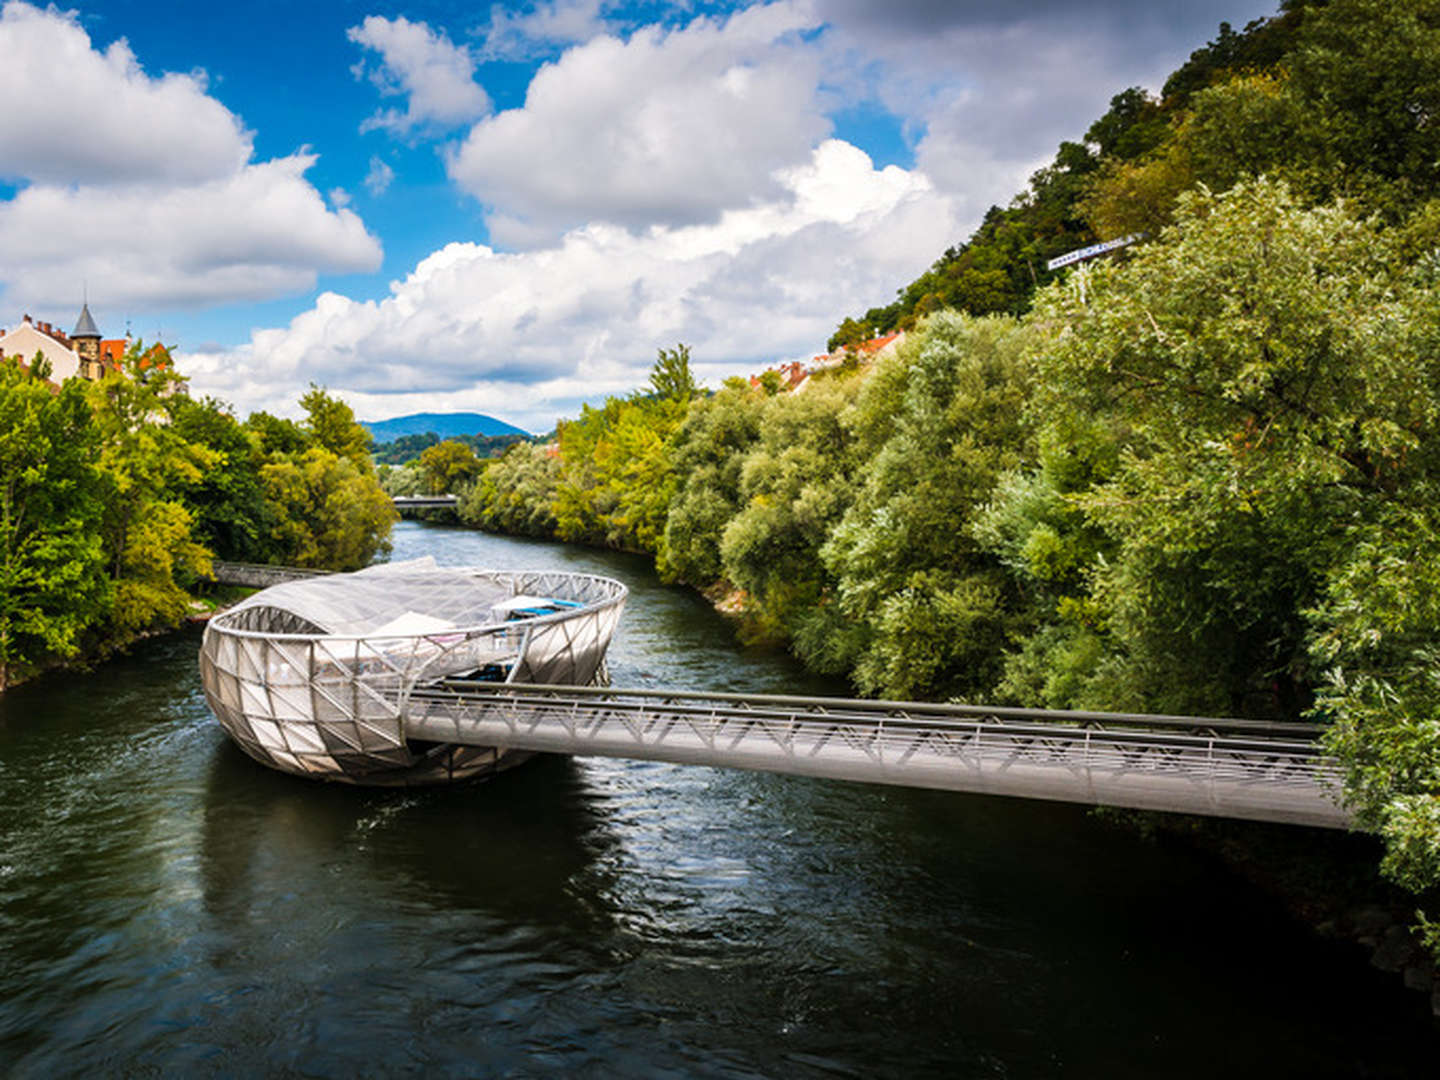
(333, 706)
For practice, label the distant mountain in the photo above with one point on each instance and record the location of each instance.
(446, 425)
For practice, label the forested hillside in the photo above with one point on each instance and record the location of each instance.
(1337, 101)
(1199, 477)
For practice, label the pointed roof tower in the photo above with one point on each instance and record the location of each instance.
(85, 327)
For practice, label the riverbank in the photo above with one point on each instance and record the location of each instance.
(1333, 887)
(206, 603)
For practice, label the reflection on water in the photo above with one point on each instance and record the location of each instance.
(169, 906)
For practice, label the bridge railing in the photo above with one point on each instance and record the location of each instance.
(878, 709)
(1206, 765)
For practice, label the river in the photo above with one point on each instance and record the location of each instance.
(168, 907)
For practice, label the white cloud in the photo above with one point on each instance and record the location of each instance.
(667, 127)
(144, 187)
(528, 335)
(253, 235)
(436, 74)
(70, 114)
(992, 89)
(378, 179)
(516, 36)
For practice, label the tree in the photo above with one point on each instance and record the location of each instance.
(707, 453)
(276, 436)
(516, 493)
(331, 424)
(671, 377)
(149, 465)
(795, 483)
(1254, 364)
(40, 367)
(1367, 75)
(53, 585)
(919, 607)
(227, 499)
(328, 513)
(449, 466)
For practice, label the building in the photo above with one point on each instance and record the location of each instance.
(794, 376)
(83, 352)
(791, 375)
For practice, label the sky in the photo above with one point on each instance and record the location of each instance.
(509, 208)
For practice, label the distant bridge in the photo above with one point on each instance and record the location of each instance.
(258, 575)
(425, 502)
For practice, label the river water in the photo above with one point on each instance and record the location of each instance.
(168, 907)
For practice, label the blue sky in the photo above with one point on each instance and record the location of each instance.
(509, 208)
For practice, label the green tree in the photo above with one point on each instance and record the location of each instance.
(328, 513)
(331, 424)
(671, 377)
(53, 584)
(407, 479)
(795, 484)
(449, 466)
(40, 367)
(226, 499)
(707, 453)
(1367, 76)
(919, 607)
(149, 465)
(516, 492)
(274, 435)
(1253, 363)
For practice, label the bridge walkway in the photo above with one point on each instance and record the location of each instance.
(1195, 765)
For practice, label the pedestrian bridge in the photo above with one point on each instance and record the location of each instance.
(1194, 765)
(321, 698)
(425, 502)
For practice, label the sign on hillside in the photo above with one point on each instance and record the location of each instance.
(1090, 252)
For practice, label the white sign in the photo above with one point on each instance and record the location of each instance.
(1090, 252)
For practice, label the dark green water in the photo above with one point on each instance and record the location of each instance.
(167, 907)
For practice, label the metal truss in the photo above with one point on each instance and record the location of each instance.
(1196, 765)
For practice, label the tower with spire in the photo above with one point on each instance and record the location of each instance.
(86, 340)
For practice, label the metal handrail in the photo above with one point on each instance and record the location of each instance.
(896, 712)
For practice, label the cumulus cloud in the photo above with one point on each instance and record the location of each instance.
(144, 186)
(511, 35)
(667, 127)
(991, 89)
(672, 126)
(528, 335)
(75, 115)
(150, 246)
(437, 75)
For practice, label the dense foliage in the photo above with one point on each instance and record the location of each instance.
(1201, 477)
(115, 496)
(408, 448)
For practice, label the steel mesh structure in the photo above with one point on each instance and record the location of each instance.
(312, 676)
